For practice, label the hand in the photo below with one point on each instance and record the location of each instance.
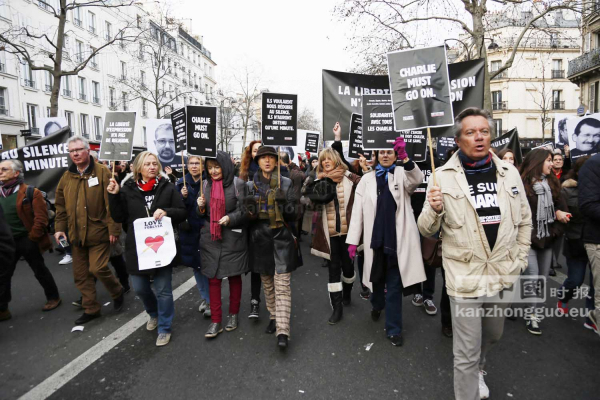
(184, 192)
(371, 162)
(224, 221)
(280, 196)
(113, 239)
(58, 236)
(352, 251)
(337, 132)
(567, 151)
(113, 186)
(168, 170)
(400, 148)
(201, 202)
(362, 161)
(158, 214)
(435, 199)
(562, 216)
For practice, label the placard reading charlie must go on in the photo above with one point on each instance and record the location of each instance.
(201, 126)
(280, 113)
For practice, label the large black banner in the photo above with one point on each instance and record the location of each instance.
(420, 88)
(279, 114)
(510, 140)
(44, 161)
(201, 131)
(117, 138)
(342, 96)
(178, 120)
(312, 142)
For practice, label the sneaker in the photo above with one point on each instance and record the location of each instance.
(430, 308)
(590, 326)
(78, 303)
(592, 318)
(396, 340)
(484, 391)
(552, 272)
(152, 324)
(67, 259)
(417, 300)
(533, 325)
(203, 306)
(563, 308)
(254, 309)
(163, 339)
(365, 293)
(207, 313)
(232, 322)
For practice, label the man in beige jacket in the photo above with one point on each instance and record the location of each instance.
(479, 203)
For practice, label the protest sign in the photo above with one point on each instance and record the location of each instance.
(312, 142)
(201, 131)
(342, 96)
(50, 125)
(178, 121)
(154, 242)
(44, 161)
(561, 136)
(510, 140)
(117, 138)
(584, 135)
(355, 146)
(420, 88)
(161, 141)
(444, 144)
(280, 113)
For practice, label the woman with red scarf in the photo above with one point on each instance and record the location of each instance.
(223, 239)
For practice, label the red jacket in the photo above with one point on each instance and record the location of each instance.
(34, 218)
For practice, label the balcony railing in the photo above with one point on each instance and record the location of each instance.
(498, 106)
(48, 88)
(77, 21)
(144, 113)
(94, 65)
(558, 105)
(66, 92)
(35, 131)
(501, 75)
(96, 100)
(82, 96)
(2, 67)
(112, 105)
(3, 111)
(558, 73)
(584, 62)
(29, 83)
(92, 30)
(107, 37)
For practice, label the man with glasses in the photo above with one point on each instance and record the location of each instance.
(165, 144)
(82, 208)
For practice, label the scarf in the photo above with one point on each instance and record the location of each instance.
(545, 207)
(335, 175)
(383, 239)
(474, 167)
(217, 208)
(382, 171)
(148, 186)
(265, 199)
(9, 187)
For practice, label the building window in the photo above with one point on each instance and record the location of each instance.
(593, 106)
(66, 84)
(28, 74)
(69, 118)
(143, 78)
(111, 97)
(139, 21)
(144, 136)
(141, 52)
(32, 116)
(83, 125)
(48, 81)
(92, 22)
(96, 92)
(144, 108)
(77, 16)
(48, 112)
(497, 103)
(557, 102)
(97, 128)
(125, 103)
(3, 101)
(498, 127)
(123, 70)
(94, 60)
(108, 28)
(79, 55)
(557, 69)
(82, 91)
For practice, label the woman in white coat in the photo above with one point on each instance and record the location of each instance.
(392, 250)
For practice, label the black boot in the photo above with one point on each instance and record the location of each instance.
(347, 293)
(338, 308)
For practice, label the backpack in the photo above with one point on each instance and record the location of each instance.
(29, 197)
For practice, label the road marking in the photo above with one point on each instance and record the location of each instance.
(53, 383)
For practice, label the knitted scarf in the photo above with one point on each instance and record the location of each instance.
(474, 167)
(335, 175)
(8, 187)
(148, 186)
(545, 207)
(264, 195)
(382, 171)
(384, 228)
(217, 208)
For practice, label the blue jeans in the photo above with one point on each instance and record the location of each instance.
(202, 283)
(391, 301)
(160, 305)
(575, 278)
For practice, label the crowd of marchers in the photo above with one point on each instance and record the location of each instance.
(496, 223)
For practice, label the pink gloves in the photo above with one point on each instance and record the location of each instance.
(352, 251)
(400, 148)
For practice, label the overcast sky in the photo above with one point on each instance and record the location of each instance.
(290, 41)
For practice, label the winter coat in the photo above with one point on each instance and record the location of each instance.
(589, 199)
(297, 177)
(7, 243)
(129, 204)
(402, 186)
(471, 268)
(34, 217)
(573, 247)
(274, 250)
(556, 228)
(228, 256)
(321, 243)
(189, 230)
(83, 210)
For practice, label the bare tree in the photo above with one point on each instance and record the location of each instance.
(308, 120)
(387, 25)
(228, 120)
(34, 44)
(248, 100)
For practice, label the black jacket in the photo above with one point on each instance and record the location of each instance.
(7, 245)
(589, 199)
(129, 204)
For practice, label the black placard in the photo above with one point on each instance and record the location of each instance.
(178, 120)
(312, 142)
(279, 114)
(355, 146)
(201, 124)
(117, 138)
(444, 144)
(420, 88)
(510, 140)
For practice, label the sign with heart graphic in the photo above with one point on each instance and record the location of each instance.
(155, 242)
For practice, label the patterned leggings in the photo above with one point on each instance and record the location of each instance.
(278, 295)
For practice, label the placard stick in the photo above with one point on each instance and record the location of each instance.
(431, 156)
(201, 170)
(183, 167)
(278, 167)
(114, 165)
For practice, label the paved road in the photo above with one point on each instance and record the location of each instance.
(322, 362)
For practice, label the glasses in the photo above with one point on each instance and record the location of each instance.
(163, 142)
(194, 163)
(5, 169)
(80, 150)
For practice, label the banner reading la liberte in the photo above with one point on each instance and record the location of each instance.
(44, 161)
(117, 138)
(280, 113)
(201, 131)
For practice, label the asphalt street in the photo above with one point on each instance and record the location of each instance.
(322, 361)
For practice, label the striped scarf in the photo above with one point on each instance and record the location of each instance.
(264, 195)
(9, 187)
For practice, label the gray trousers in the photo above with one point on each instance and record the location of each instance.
(593, 252)
(538, 263)
(475, 331)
